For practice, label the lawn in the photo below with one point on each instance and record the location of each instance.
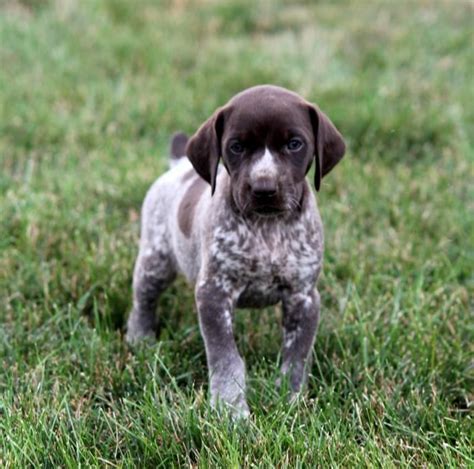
(90, 92)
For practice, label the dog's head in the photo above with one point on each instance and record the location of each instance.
(267, 138)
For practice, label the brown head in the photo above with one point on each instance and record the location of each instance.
(267, 138)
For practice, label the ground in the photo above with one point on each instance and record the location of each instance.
(90, 92)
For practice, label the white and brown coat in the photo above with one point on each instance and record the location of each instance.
(254, 238)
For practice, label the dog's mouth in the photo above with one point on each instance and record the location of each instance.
(268, 210)
(269, 207)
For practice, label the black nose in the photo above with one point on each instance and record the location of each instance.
(264, 189)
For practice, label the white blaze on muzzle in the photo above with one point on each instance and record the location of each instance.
(264, 168)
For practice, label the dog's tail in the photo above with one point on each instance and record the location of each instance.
(178, 147)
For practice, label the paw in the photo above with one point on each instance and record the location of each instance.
(229, 390)
(240, 412)
(138, 332)
(292, 378)
(238, 408)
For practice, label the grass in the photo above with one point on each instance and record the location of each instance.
(90, 93)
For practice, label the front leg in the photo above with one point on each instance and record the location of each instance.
(226, 367)
(300, 321)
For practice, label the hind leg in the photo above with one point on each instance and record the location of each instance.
(154, 271)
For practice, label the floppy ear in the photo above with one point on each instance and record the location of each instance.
(204, 148)
(329, 144)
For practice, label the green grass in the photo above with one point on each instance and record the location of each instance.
(90, 92)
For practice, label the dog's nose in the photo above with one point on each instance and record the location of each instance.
(264, 188)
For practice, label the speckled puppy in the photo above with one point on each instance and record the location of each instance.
(252, 239)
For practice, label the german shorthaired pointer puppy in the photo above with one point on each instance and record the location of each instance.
(254, 238)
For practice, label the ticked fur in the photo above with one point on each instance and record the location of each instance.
(254, 242)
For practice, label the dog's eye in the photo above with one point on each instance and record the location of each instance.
(237, 148)
(294, 144)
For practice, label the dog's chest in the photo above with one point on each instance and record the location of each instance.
(261, 261)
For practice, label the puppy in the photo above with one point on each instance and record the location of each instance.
(246, 234)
